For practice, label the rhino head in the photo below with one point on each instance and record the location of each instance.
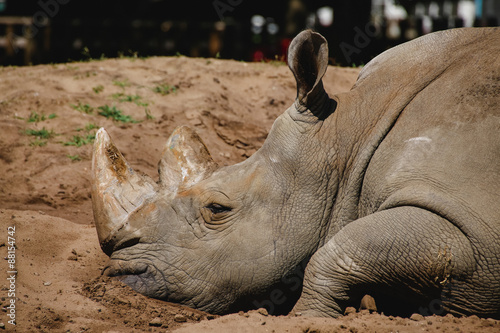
(221, 238)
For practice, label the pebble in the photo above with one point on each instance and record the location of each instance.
(349, 310)
(417, 317)
(263, 311)
(488, 322)
(156, 322)
(368, 303)
(179, 318)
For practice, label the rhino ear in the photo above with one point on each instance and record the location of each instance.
(308, 61)
(185, 160)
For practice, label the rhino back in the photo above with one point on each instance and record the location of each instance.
(442, 152)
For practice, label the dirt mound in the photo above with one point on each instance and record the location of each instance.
(48, 116)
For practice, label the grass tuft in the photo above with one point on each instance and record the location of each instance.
(35, 117)
(74, 158)
(79, 140)
(165, 89)
(98, 89)
(115, 114)
(42, 134)
(121, 84)
(83, 108)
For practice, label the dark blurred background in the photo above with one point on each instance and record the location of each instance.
(52, 31)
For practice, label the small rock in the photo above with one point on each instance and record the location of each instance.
(263, 311)
(488, 322)
(180, 318)
(2, 326)
(349, 310)
(417, 317)
(156, 322)
(48, 283)
(368, 303)
(364, 312)
(474, 318)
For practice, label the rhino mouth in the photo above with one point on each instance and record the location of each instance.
(137, 275)
(123, 268)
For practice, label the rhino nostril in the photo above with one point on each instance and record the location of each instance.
(127, 243)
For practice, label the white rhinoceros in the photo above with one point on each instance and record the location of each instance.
(391, 189)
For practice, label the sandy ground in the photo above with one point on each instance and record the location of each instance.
(45, 205)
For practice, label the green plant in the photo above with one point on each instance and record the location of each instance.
(121, 84)
(35, 117)
(83, 107)
(86, 75)
(115, 114)
(98, 89)
(42, 134)
(149, 116)
(74, 158)
(38, 143)
(164, 89)
(86, 53)
(131, 55)
(120, 97)
(79, 141)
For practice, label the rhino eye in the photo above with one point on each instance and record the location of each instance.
(218, 209)
(215, 214)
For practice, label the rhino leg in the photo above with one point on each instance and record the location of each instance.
(404, 253)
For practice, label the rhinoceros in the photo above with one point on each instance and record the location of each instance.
(391, 189)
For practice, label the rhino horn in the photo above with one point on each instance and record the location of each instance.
(117, 191)
(185, 160)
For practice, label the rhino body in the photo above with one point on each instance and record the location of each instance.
(391, 189)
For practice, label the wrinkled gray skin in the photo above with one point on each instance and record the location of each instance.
(391, 189)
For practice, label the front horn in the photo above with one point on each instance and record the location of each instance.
(116, 191)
